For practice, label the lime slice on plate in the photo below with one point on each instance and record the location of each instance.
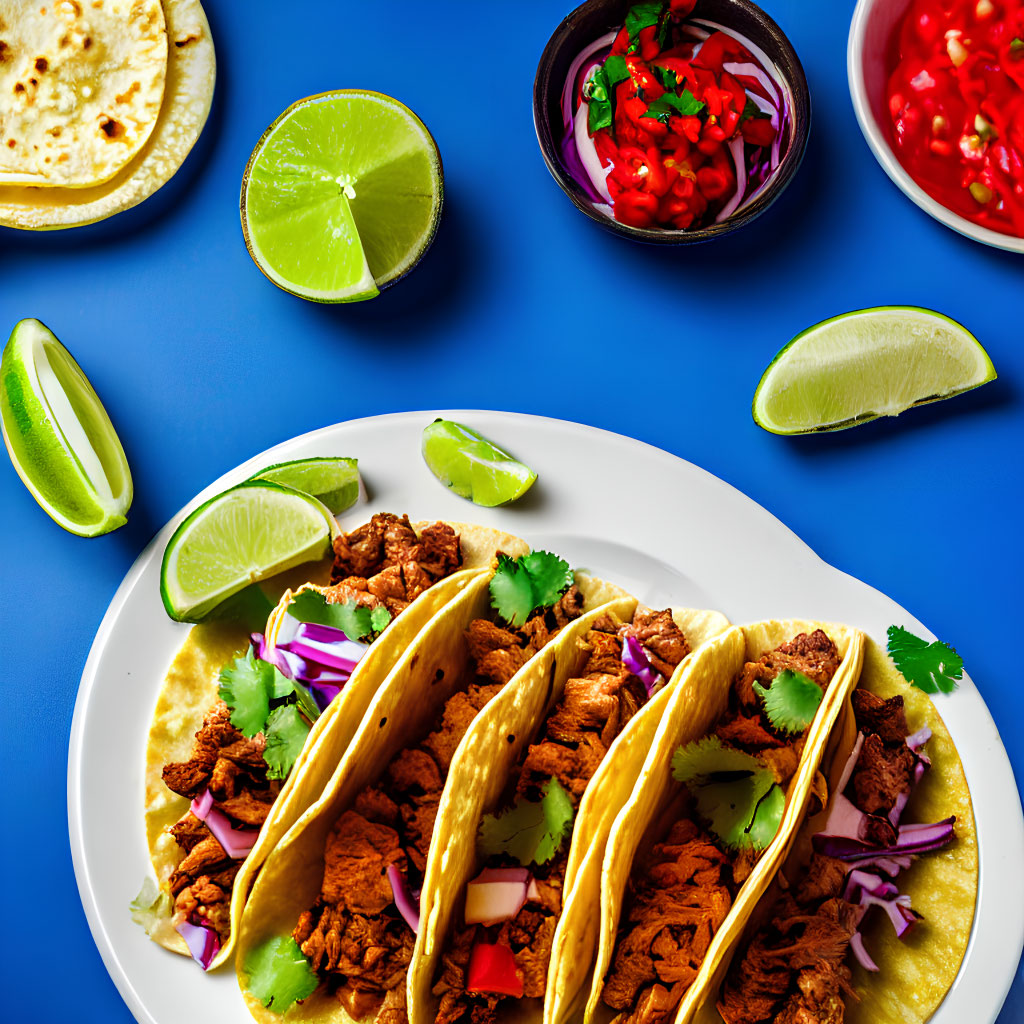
(59, 436)
(334, 481)
(472, 466)
(870, 363)
(239, 537)
(341, 196)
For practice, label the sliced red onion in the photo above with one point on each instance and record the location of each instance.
(740, 71)
(504, 875)
(407, 906)
(323, 693)
(892, 866)
(858, 879)
(898, 908)
(736, 148)
(237, 842)
(488, 902)
(596, 172)
(919, 738)
(201, 807)
(287, 626)
(342, 655)
(899, 805)
(911, 839)
(857, 945)
(851, 763)
(634, 657)
(203, 943)
(319, 633)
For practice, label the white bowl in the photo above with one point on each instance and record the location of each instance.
(873, 22)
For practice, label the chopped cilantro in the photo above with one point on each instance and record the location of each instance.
(752, 111)
(642, 16)
(151, 906)
(669, 104)
(245, 686)
(286, 731)
(666, 77)
(279, 973)
(355, 621)
(597, 93)
(519, 586)
(931, 667)
(791, 702)
(616, 69)
(732, 790)
(530, 832)
(1016, 45)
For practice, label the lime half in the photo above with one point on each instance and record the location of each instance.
(59, 436)
(472, 466)
(242, 536)
(859, 366)
(341, 196)
(334, 481)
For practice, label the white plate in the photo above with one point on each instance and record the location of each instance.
(651, 522)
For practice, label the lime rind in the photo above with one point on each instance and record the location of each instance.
(332, 480)
(362, 192)
(241, 536)
(869, 363)
(472, 466)
(60, 438)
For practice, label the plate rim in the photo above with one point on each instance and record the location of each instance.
(1001, 953)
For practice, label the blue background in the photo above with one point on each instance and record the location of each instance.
(522, 304)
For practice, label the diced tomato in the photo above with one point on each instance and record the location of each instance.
(492, 968)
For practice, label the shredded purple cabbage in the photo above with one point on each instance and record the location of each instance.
(203, 943)
(634, 657)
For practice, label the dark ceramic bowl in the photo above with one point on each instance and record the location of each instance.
(596, 18)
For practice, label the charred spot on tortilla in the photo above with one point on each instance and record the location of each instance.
(41, 62)
(111, 128)
(438, 675)
(511, 737)
(382, 722)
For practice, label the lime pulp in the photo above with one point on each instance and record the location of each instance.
(473, 467)
(332, 480)
(59, 436)
(870, 363)
(341, 196)
(241, 536)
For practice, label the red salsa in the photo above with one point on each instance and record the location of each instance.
(671, 123)
(956, 99)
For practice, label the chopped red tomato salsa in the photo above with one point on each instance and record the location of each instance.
(681, 121)
(956, 98)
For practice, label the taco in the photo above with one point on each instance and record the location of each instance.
(869, 917)
(486, 950)
(725, 785)
(232, 757)
(332, 920)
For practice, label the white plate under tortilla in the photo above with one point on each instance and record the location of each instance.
(690, 539)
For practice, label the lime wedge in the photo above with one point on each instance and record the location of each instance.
(59, 436)
(341, 196)
(333, 481)
(243, 535)
(472, 466)
(870, 363)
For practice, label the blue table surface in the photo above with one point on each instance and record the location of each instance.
(522, 304)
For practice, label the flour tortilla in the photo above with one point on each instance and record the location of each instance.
(435, 666)
(700, 700)
(916, 973)
(190, 688)
(187, 94)
(82, 82)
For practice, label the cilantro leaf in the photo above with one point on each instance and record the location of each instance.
(730, 789)
(286, 731)
(666, 77)
(931, 667)
(791, 702)
(522, 585)
(1016, 45)
(245, 686)
(616, 70)
(355, 621)
(279, 973)
(669, 104)
(597, 93)
(550, 577)
(530, 832)
(641, 16)
(151, 906)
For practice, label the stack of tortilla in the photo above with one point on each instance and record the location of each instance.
(101, 102)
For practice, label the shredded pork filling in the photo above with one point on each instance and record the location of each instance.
(680, 893)
(384, 563)
(574, 740)
(792, 971)
(354, 935)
